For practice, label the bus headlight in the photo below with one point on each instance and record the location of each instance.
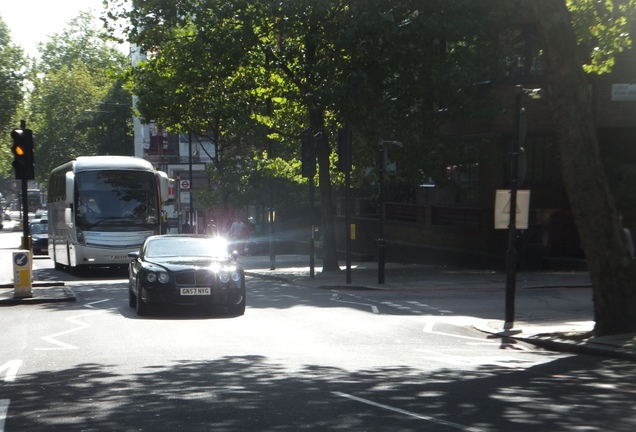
(80, 236)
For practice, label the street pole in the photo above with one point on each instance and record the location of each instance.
(381, 245)
(312, 255)
(511, 255)
(190, 177)
(381, 170)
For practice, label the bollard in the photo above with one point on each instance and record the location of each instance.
(22, 274)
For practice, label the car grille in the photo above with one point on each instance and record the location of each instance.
(195, 278)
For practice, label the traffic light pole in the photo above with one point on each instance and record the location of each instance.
(26, 244)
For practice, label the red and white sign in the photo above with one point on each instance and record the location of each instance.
(185, 184)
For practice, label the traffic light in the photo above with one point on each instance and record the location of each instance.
(22, 150)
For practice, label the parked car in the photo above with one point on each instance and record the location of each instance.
(39, 230)
(186, 269)
(40, 214)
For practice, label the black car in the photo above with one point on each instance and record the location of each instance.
(186, 269)
(39, 229)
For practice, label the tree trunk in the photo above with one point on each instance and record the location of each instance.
(612, 270)
(329, 250)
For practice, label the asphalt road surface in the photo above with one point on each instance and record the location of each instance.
(299, 360)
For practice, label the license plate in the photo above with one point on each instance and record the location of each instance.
(195, 291)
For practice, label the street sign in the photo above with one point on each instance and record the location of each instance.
(185, 184)
(502, 209)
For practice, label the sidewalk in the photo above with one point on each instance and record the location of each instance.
(560, 328)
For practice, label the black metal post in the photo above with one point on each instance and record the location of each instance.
(272, 254)
(190, 176)
(511, 255)
(348, 215)
(381, 245)
(312, 254)
(26, 244)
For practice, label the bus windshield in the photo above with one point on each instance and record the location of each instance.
(118, 199)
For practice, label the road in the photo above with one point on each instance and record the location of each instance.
(299, 359)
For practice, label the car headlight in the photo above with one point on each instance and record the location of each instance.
(224, 276)
(236, 276)
(161, 277)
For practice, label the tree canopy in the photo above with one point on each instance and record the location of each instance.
(13, 68)
(280, 68)
(77, 104)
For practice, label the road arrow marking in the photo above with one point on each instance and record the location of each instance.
(12, 368)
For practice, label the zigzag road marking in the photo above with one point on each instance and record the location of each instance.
(80, 326)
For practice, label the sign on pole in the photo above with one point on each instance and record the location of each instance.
(502, 209)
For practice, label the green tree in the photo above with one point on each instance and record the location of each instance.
(602, 27)
(77, 105)
(283, 67)
(13, 65)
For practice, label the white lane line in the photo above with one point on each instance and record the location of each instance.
(12, 368)
(4, 409)
(407, 413)
(336, 298)
(80, 326)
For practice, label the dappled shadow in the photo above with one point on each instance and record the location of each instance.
(252, 393)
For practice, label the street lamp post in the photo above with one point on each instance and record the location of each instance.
(381, 170)
(515, 181)
(511, 254)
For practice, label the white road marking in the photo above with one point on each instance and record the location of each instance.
(407, 413)
(4, 409)
(80, 326)
(12, 368)
(336, 297)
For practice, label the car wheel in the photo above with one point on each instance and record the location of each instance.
(142, 306)
(237, 310)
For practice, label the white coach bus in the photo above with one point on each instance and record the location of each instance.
(102, 207)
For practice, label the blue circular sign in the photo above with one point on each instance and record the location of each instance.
(20, 259)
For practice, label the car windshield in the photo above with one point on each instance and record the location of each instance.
(187, 247)
(39, 228)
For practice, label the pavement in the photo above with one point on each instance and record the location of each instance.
(565, 322)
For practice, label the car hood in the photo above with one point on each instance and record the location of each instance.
(39, 236)
(186, 263)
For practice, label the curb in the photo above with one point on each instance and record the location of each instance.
(559, 346)
(62, 295)
(579, 348)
